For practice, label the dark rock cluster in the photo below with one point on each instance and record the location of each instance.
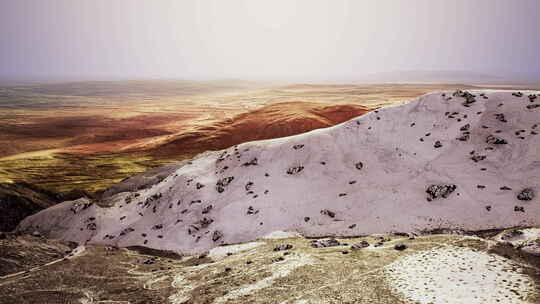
(325, 243)
(283, 247)
(526, 194)
(360, 245)
(222, 183)
(440, 191)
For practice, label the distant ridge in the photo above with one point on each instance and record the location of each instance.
(426, 76)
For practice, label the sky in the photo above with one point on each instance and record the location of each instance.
(266, 39)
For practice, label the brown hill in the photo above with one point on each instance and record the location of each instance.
(271, 121)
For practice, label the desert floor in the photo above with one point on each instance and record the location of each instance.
(432, 269)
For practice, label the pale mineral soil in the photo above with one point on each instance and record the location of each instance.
(476, 269)
(90, 135)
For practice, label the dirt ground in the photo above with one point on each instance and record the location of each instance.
(248, 273)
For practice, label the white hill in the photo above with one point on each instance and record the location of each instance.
(477, 154)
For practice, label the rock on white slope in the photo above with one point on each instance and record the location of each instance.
(367, 175)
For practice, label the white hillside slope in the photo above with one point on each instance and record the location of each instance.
(367, 175)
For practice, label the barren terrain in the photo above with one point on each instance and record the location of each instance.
(334, 186)
(89, 135)
(259, 272)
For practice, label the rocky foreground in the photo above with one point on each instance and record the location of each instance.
(494, 267)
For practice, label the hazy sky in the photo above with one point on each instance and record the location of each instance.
(311, 39)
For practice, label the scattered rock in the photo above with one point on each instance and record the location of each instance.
(253, 162)
(205, 222)
(283, 247)
(278, 259)
(494, 140)
(324, 243)
(464, 137)
(295, 170)
(500, 117)
(469, 98)
(440, 191)
(526, 194)
(477, 158)
(217, 235)
(224, 182)
(252, 211)
(207, 209)
(400, 246)
(328, 213)
(360, 245)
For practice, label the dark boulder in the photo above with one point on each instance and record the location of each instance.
(324, 243)
(477, 158)
(465, 127)
(283, 247)
(222, 183)
(360, 245)
(494, 140)
(217, 235)
(440, 191)
(295, 170)
(464, 137)
(526, 194)
(400, 246)
(328, 213)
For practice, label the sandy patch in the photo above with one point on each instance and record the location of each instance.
(458, 275)
(278, 270)
(183, 289)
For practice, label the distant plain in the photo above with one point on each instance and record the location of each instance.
(90, 135)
